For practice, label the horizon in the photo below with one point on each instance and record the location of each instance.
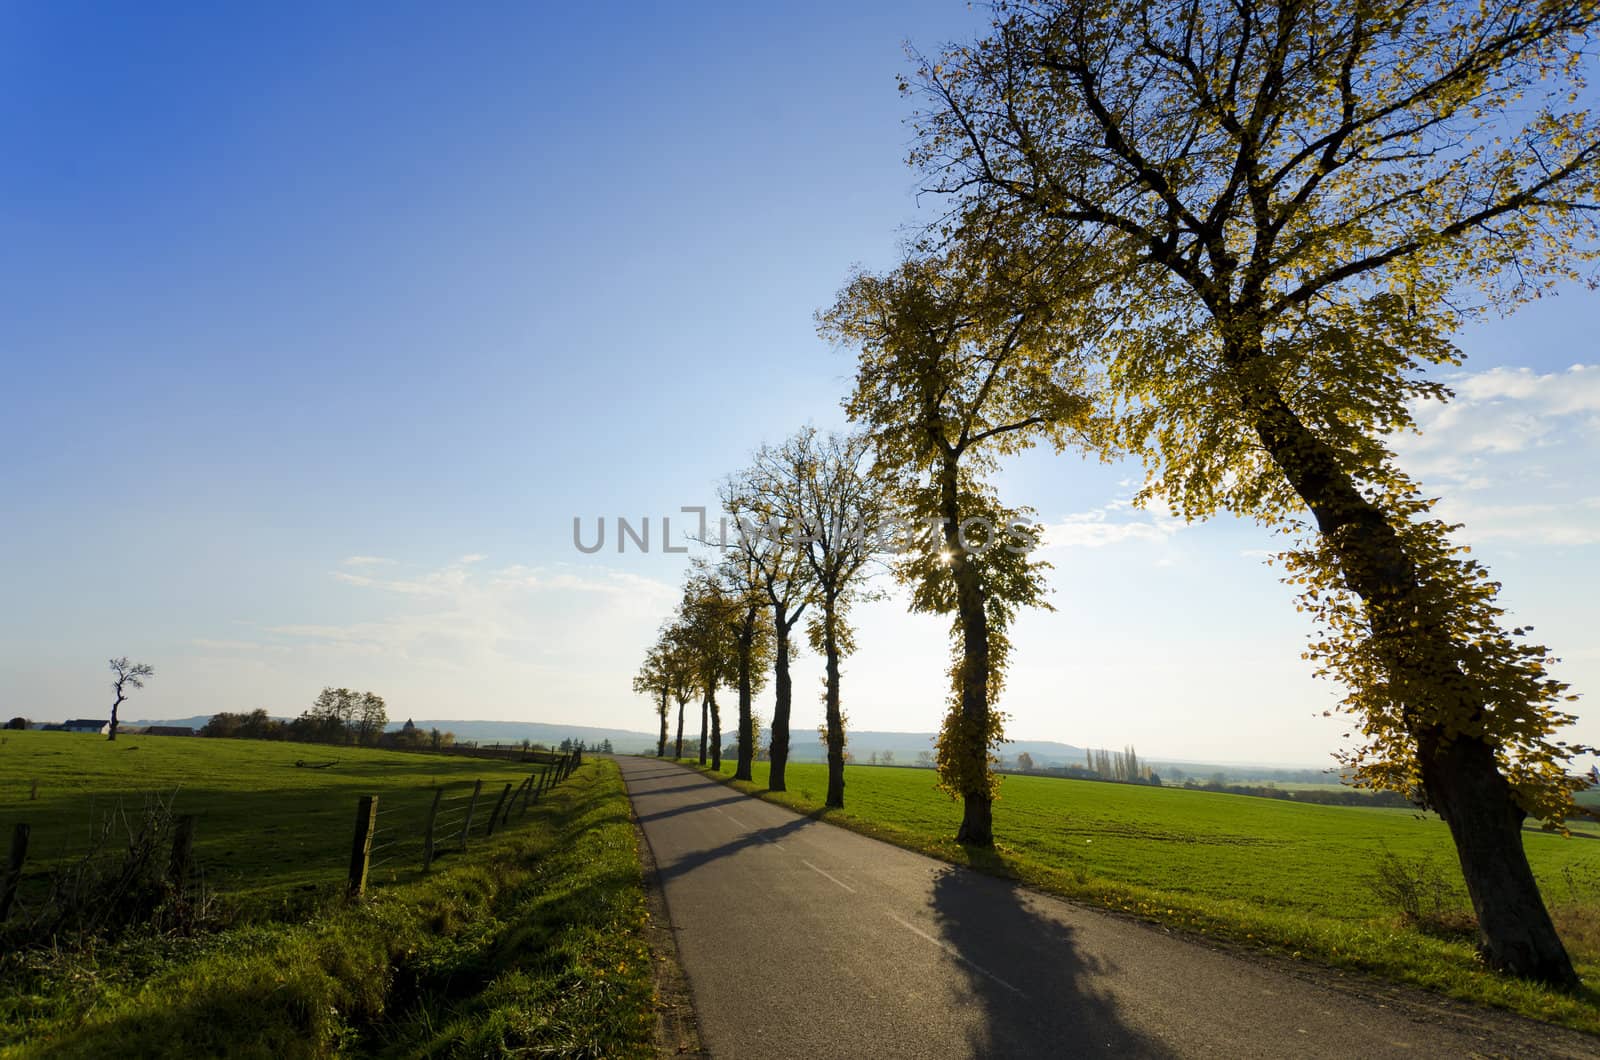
(368, 327)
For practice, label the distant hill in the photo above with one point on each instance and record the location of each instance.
(490, 731)
(806, 747)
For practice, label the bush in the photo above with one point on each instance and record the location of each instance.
(1416, 888)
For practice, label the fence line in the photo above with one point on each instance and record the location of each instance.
(384, 835)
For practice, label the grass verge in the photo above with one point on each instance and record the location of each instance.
(533, 943)
(1249, 874)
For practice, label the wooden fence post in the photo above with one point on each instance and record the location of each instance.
(19, 854)
(361, 848)
(505, 819)
(466, 826)
(427, 838)
(182, 853)
(495, 814)
(527, 792)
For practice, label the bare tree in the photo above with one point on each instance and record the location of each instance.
(129, 675)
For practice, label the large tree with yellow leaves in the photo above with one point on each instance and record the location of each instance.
(1293, 204)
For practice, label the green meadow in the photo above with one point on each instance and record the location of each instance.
(267, 829)
(1263, 874)
(531, 943)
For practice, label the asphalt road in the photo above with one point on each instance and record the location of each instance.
(800, 939)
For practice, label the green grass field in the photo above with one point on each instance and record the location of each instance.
(529, 944)
(267, 829)
(1263, 873)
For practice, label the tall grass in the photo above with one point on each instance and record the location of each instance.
(532, 943)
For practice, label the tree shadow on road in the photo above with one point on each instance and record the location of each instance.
(756, 838)
(1036, 986)
(689, 807)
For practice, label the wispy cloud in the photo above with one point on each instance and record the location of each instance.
(1577, 523)
(467, 617)
(367, 561)
(1512, 454)
(1114, 523)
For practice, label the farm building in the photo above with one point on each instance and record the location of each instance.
(87, 725)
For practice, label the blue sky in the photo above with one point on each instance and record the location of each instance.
(321, 326)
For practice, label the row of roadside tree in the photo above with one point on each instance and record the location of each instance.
(1232, 241)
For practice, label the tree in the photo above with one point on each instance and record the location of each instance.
(710, 615)
(330, 718)
(836, 505)
(654, 680)
(741, 573)
(372, 717)
(129, 675)
(755, 499)
(1291, 205)
(1024, 762)
(953, 373)
(681, 673)
(342, 715)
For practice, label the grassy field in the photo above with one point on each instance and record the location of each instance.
(268, 829)
(530, 944)
(1262, 873)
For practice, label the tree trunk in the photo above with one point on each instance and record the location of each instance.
(705, 707)
(677, 751)
(716, 731)
(111, 733)
(1514, 928)
(830, 649)
(747, 637)
(661, 745)
(1461, 779)
(972, 721)
(780, 708)
(977, 800)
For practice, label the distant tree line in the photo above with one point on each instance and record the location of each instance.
(338, 716)
(1319, 796)
(569, 746)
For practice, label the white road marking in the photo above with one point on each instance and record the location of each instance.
(732, 818)
(952, 951)
(835, 879)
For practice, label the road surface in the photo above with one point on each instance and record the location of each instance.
(800, 939)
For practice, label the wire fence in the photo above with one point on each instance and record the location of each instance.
(148, 852)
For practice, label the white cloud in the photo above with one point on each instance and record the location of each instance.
(1571, 524)
(367, 561)
(467, 619)
(1111, 524)
(1502, 410)
(1512, 455)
